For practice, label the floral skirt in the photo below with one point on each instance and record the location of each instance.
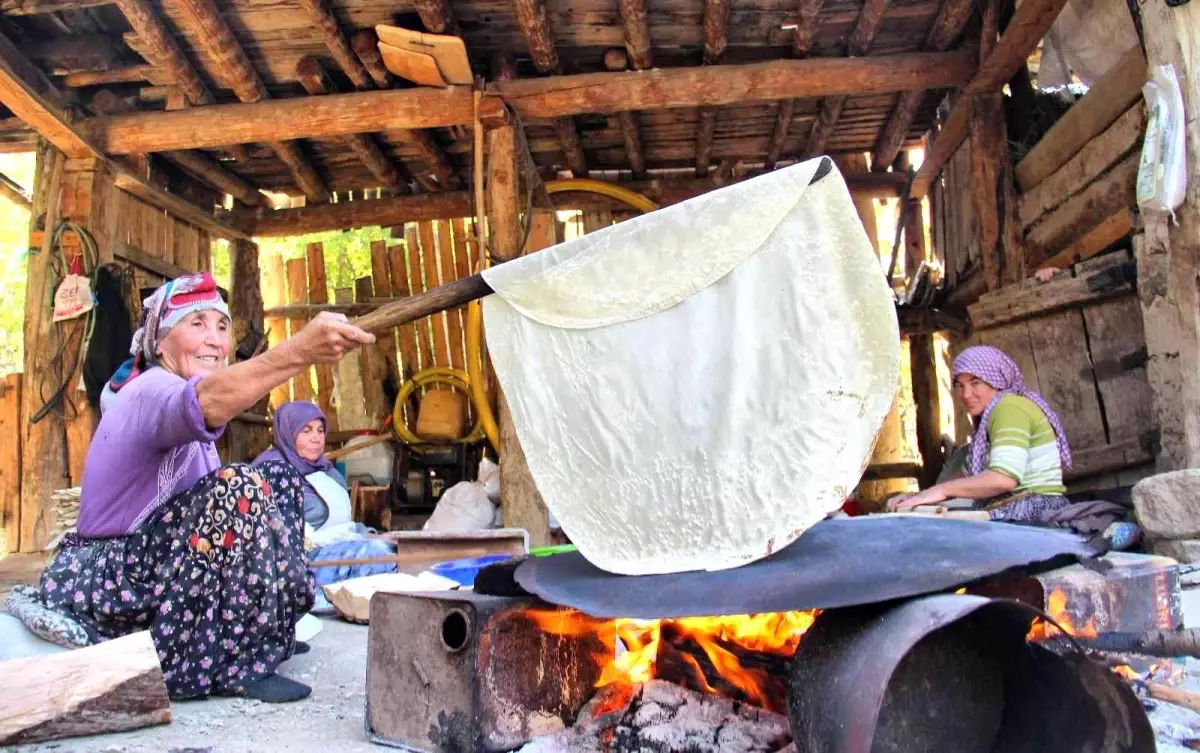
(1031, 509)
(216, 574)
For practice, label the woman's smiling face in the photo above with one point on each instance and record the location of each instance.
(974, 393)
(197, 346)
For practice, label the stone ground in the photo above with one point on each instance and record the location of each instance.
(332, 718)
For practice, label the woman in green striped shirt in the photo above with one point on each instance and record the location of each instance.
(1018, 451)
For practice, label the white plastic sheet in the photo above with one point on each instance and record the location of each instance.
(696, 387)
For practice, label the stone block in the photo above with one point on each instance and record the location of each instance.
(1168, 505)
(1183, 551)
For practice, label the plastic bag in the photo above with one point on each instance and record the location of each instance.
(468, 505)
(1162, 173)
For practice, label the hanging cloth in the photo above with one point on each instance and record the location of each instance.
(695, 387)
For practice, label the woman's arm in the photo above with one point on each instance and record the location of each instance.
(982, 486)
(228, 392)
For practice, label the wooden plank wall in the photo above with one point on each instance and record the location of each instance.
(356, 395)
(10, 463)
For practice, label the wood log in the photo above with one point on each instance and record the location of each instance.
(783, 124)
(366, 46)
(36, 7)
(822, 127)
(1177, 696)
(664, 88)
(277, 120)
(305, 175)
(204, 22)
(637, 32)
(1025, 30)
(1106, 196)
(806, 27)
(436, 161)
(126, 75)
(716, 25)
(1110, 98)
(633, 144)
(436, 15)
(1097, 240)
(211, 172)
(534, 22)
(706, 125)
(927, 399)
(110, 687)
(13, 192)
(316, 81)
(993, 195)
(1039, 299)
(1094, 159)
(331, 34)
(503, 183)
(572, 149)
(895, 132)
(165, 50)
(26, 91)
(390, 212)
(615, 59)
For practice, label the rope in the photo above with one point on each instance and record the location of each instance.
(529, 173)
(63, 368)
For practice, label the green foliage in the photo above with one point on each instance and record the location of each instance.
(14, 242)
(347, 253)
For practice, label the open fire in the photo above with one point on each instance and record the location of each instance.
(1056, 607)
(737, 656)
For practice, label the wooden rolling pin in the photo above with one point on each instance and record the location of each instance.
(441, 298)
(351, 448)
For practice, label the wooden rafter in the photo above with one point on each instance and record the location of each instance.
(631, 135)
(316, 82)
(861, 39)
(534, 21)
(1030, 22)
(211, 172)
(716, 24)
(161, 46)
(947, 27)
(802, 39)
(436, 15)
(204, 21)
(637, 33)
(366, 47)
(336, 42)
(126, 75)
(31, 97)
(33, 7)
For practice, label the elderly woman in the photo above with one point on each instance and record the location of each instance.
(299, 441)
(1018, 451)
(209, 559)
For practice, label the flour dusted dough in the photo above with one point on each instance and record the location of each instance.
(696, 387)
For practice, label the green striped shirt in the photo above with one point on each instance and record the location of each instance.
(1022, 446)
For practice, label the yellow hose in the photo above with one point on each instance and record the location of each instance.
(474, 333)
(453, 377)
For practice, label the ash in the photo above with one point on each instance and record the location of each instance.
(660, 717)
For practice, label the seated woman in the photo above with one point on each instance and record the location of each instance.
(209, 559)
(1018, 450)
(299, 430)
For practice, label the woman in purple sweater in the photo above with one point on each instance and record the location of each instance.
(209, 559)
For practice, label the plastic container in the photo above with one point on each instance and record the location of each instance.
(441, 415)
(464, 571)
(371, 465)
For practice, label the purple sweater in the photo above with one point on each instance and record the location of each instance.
(151, 445)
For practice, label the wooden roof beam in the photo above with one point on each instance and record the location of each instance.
(316, 81)
(213, 34)
(165, 51)
(437, 16)
(33, 99)
(802, 40)
(1030, 22)
(335, 41)
(861, 39)
(125, 75)
(716, 23)
(34, 7)
(366, 46)
(534, 21)
(637, 33)
(947, 27)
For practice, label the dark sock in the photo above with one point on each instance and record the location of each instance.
(301, 648)
(277, 689)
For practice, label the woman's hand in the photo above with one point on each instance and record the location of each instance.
(327, 338)
(906, 502)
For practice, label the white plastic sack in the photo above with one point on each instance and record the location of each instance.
(469, 505)
(695, 387)
(1087, 38)
(1162, 171)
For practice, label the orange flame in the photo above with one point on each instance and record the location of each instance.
(633, 660)
(1056, 607)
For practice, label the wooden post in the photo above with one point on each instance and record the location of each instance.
(504, 201)
(318, 292)
(273, 295)
(297, 292)
(1168, 256)
(10, 463)
(246, 306)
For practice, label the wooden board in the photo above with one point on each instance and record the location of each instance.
(297, 292)
(449, 273)
(374, 365)
(10, 463)
(348, 382)
(1115, 336)
(318, 292)
(1065, 376)
(1031, 299)
(1014, 340)
(437, 322)
(273, 287)
(381, 278)
(407, 333)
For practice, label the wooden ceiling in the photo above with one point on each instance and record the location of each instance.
(155, 55)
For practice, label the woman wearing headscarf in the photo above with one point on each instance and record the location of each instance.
(1018, 450)
(299, 441)
(208, 559)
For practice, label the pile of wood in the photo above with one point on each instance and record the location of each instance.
(660, 716)
(65, 503)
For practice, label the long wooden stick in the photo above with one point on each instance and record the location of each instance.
(440, 298)
(349, 449)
